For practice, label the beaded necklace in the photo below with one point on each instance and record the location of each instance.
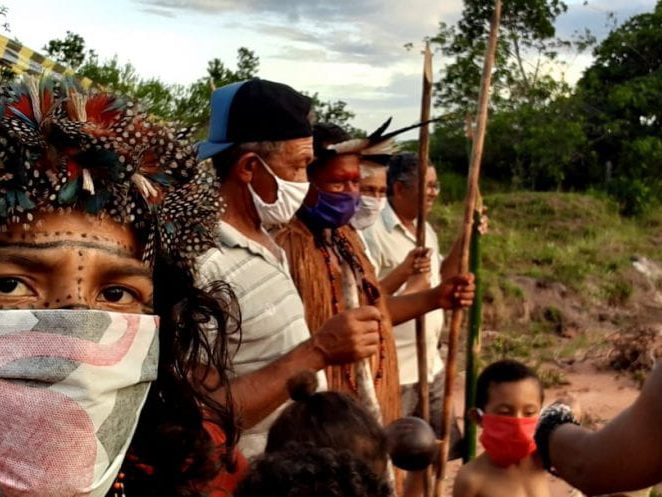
(345, 252)
(118, 486)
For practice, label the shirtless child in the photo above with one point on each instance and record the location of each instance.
(509, 397)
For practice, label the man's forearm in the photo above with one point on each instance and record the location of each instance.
(258, 394)
(390, 283)
(409, 306)
(624, 455)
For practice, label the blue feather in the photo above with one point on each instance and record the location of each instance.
(68, 193)
(24, 201)
(24, 118)
(95, 203)
(161, 178)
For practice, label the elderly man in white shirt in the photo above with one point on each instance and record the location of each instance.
(391, 239)
(260, 142)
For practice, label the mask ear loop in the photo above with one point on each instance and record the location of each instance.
(266, 166)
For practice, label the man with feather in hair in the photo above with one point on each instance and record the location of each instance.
(319, 242)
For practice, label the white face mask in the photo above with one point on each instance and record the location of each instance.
(289, 198)
(368, 211)
(72, 384)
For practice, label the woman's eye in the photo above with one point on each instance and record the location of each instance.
(117, 295)
(14, 287)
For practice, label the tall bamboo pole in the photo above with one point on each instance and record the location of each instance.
(423, 152)
(474, 322)
(469, 208)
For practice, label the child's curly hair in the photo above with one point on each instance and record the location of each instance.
(327, 419)
(302, 470)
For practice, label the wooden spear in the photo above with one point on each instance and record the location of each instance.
(473, 342)
(469, 209)
(423, 152)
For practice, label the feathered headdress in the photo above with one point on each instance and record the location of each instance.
(376, 147)
(66, 148)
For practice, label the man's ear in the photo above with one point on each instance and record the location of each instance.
(475, 415)
(244, 167)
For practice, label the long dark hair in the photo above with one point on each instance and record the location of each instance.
(172, 454)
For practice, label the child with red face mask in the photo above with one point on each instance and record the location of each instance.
(509, 397)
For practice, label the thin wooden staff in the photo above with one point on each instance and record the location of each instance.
(473, 341)
(469, 208)
(423, 152)
(473, 322)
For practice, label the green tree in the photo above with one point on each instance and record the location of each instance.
(3, 13)
(69, 51)
(110, 74)
(621, 94)
(192, 106)
(186, 104)
(534, 138)
(248, 64)
(6, 74)
(336, 112)
(527, 48)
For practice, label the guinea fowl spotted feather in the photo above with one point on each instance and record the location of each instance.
(63, 148)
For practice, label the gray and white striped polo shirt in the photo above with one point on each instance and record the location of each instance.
(273, 321)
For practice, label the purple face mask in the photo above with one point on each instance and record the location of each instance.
(332, 210)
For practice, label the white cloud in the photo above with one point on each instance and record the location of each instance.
(344, 49)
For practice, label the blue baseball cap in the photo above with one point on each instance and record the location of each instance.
(252, 111)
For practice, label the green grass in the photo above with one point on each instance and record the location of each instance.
(579, 241)
(573, 239)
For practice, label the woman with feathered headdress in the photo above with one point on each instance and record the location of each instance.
(102, 334)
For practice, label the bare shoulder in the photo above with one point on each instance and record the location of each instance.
(468, 480)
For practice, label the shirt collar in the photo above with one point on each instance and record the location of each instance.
(392, 221)
(231, 237)
(390, 218)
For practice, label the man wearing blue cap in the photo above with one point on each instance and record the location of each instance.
(260, 142)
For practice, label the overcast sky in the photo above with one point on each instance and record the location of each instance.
(343, 49)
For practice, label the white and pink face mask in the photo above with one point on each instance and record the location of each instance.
(72, 385)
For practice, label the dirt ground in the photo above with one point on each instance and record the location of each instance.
(602, 394)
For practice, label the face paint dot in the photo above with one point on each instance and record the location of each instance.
(69, 297)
